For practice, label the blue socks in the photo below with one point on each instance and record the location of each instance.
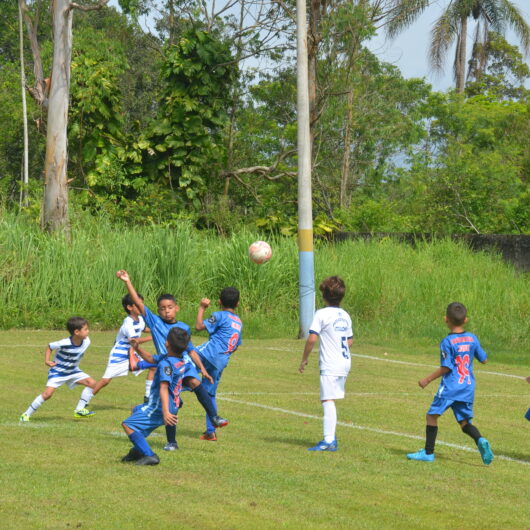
(171, 433)
(209, 427)
(206, 401)
(140, 443)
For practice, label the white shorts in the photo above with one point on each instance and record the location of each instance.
(332, 387)
(119, 370)
(70, 380)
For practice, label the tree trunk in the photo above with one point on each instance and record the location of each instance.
(460, 59)
(25, 170)
(345, 173)
(55, 210)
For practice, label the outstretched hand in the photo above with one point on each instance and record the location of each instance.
(170, 419)
(123, 275)
(206, 375)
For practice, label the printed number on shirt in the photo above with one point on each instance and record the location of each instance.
(344, 347)
(232, 342)
(462, 363)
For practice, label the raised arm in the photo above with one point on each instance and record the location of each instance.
(138, 302)
(199, 321)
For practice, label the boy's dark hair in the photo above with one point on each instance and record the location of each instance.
(456, 313)
(75, 323)
(165, 296)
(177, 339)
(333, 290)
(127, 300)
(229, 297)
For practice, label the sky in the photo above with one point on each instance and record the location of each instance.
(409, 50)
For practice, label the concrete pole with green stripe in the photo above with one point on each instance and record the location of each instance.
(305, 212)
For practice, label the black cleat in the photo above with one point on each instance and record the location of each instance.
(148, 461)
(218, 422)
(132, 455)
(146, 399)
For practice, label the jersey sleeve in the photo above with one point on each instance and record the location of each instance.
(150, 318)
(316, 325)
(480, 354)
(446, 354)
(212, 323)
(165, 371)
(58, 343)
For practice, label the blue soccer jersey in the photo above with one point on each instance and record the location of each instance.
(67, 356)
(224, 328)
(170, 370)
(160, 330)
(457, 352)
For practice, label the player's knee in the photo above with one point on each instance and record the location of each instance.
(191, 382)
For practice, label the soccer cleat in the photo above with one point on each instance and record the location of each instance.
(209, 436)
(171, 446)
(324, 446)
(421, 455)
(24, 418)
(132, 456)
(146, 399)
(148, 461)
(218, 422)
(83, 413)
(485, 451)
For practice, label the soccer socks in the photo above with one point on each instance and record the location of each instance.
(140, 443)
(148, 385)
(430, 438)
(171, 434)
(85, 398)
(209, 427)
(472, 431)
(330, 421)
(205, 400)
(37, 402)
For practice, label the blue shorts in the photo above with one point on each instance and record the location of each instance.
(216, 376)
(461, 410)
(191, 371)
(527, 415)
(140, 422)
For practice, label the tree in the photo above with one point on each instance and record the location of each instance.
(452, 26)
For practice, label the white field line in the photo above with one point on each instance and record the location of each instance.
(409, 363)
(364, 428)
(358, 394)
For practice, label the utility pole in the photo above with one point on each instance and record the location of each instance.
(305, 211)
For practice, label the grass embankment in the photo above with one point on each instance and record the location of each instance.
(395, 292)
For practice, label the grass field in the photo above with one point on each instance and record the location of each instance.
(58, 472)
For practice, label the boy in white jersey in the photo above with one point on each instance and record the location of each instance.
(64, 369)
(118, 363)
(334, 328)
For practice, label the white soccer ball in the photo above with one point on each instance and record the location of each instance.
(260, 252)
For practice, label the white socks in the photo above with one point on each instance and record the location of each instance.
(85, 398)
(37, 402)
(148, 385)
(330, 421)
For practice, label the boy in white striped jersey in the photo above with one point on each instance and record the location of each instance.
(118, 363)
(64, 369)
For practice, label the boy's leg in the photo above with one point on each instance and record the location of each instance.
(103, 382)
(149, 383)
(330, 420)
(205, 400)
(37, 402)
(148, 457)
(464, 413)
(81, 411)
(431, 431)
(211, 388)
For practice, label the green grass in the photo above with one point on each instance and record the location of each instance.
(58, 472)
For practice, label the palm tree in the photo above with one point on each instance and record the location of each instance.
(452, 26)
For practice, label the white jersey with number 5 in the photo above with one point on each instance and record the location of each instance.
(334, 328)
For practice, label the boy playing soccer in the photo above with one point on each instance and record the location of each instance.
(224, 329)
(164, 399)
(160, 326)
(64, 369)
(457, 387)
(118, 363)
(334, 328)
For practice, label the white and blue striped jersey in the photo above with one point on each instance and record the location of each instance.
(130, 329)
(67, 356)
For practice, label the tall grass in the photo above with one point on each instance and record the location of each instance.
(394, 290)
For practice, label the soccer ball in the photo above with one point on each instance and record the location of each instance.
(259, 252)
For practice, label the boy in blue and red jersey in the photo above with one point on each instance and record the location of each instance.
(164, 399)
(224, 328)
(457, 387)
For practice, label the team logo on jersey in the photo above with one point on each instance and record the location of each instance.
(168, 371)
(341, 324)
(212, 320)
(443, 354)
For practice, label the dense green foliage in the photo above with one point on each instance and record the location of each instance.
(394, 290)
(178, 125)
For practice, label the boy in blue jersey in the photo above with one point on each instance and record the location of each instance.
(457, 387)
(224, 329)
(64, 369)
(527, 415)
(164, 399)
(160, 325)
